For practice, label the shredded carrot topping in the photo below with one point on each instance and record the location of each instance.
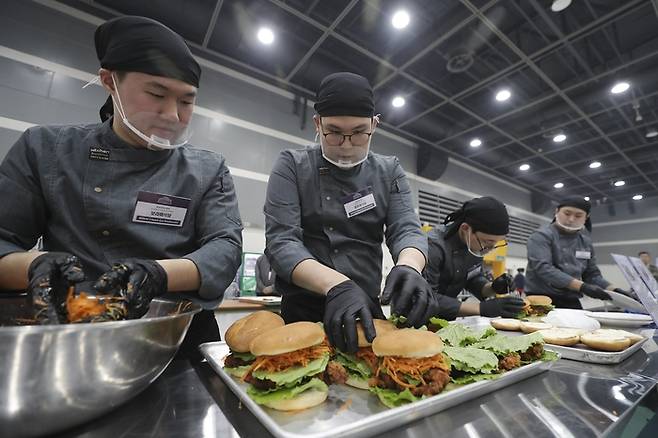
(412, 367)
(279, 362)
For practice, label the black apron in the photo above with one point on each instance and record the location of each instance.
(202, 329)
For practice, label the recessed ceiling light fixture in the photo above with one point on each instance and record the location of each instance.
(400, 19)
(398, 102)
(558, 185)
(524, 167)
(503, 95)
(265, 36)
(476, 143)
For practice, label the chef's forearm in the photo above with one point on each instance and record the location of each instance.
(412, 257)
(182, 275)
(316, 277)
(575, 285)
(13, 269)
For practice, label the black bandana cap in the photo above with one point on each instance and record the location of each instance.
(139, 44)
(580, 203)
(487, 215)
(345, 94)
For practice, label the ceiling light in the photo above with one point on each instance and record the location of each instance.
(651, 133)
(620, 87)
(620, 183)
(400, 19)
(524, 167)
(559, 138)
(476, 142)
(398, 102)
(265, 35)
(637, 197)
(560, 5)
(558, 185)
(503, 95)
(594, 164)
(586, 198)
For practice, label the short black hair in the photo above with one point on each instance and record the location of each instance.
(520, 270)
(643, 252)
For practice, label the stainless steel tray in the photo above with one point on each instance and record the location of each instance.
(353, 412)
(582, 353)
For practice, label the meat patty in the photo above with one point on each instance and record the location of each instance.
(533, 353)
(336, 373)
(233, 361)
(509, 362)
(436, 380)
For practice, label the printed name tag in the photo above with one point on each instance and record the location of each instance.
(583, 255)
(159, 209)
(473, 272)
(359, 202)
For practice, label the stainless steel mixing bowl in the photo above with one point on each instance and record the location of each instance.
(55, 377)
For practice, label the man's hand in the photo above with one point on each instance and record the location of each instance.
(49, 277)
(594, 291)
(507, 307)
(345, 303)
(402, 286)
(137, 280)
(502, 284)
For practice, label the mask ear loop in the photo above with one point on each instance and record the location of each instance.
(95, 80)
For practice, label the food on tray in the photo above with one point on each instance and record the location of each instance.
(561, 336)
(605, 341)
(536, 305)
(470, 364)
(529, 327)
(361, 365)
(634, 337)
(513, 351)
(290, 367)
(458, 335)
(412, 366)
(506, 324)
(240, 334)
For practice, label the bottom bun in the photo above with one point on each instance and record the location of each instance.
(529, 327)
(357, 382)
(306, 399)
(605, 342)
(623, 333)
(506, 324)
(564, 337)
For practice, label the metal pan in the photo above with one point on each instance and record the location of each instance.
(582, 353)
(350, 412)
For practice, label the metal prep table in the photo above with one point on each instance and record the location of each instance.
(573, 399)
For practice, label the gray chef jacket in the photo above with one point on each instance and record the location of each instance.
(77, 187)
(555, 258)
(305, 219)
(451, 268)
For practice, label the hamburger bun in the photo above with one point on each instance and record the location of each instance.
(408, 342)
(605, 341)
(632, 336)
(381, 326)
(560, 336)
(529, 327)
(287, 338)
(539, 300)
(240, 334)
(306, 399)
(506, 324)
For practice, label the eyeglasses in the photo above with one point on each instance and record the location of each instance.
(337, 138)
(484, 249)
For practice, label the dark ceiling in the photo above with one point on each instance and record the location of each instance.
(448, 64)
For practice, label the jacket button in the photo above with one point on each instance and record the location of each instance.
(328, 198)
(98, 189)
(105, 233)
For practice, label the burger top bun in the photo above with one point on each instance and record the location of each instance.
(290, 337)
(240, 334)
(506, 324)
(381, 326)
(529, 327)
(408, 342)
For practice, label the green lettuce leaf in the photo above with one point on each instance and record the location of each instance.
(293, 375)
(398, 320)
(548, 356)
(472, 360)
(354, 365)
(262, 397)
(472, 378)
(436, 324)
(238, 372)
(457, 335)
(247, 357)
(489, 331)
(392, 398)
(502, 345)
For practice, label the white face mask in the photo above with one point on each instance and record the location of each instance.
(567, 227)
(479, 253)
(177, 132)
(358, 158)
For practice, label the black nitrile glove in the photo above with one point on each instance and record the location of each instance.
(345, 303)
(49, 277)
(403, 286)
(594, 291)
(502, 284)
(507, 307)
(137, 280)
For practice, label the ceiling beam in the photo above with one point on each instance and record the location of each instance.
(212, 24)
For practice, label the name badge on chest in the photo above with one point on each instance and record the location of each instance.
(359, 202)
(473, 272)
(584, 255)
(160, 209)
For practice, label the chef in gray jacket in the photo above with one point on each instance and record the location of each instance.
(561, 260)
(126, 198)
(329, 206)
